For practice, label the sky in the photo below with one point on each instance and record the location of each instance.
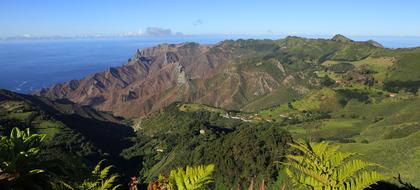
(209, 17)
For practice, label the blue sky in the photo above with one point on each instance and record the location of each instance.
(198, 17)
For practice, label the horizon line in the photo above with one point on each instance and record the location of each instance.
(280, 35)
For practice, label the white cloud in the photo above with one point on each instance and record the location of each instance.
(158, 32)
(154, 32)
(198, 22)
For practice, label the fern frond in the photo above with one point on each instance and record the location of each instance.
(108, 182)
(105, 172)
(322, 166)
(350, 169)
(97, 169)
(192, 178)
(199, 176)
(365, 179)
(100, 179)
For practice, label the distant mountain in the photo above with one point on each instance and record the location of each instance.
(341, 38)
(242, 74)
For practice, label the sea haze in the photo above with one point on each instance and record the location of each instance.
(30, 65)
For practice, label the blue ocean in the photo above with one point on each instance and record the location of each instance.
(29, 65)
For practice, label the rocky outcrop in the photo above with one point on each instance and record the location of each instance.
(153, 78)
(230, 74)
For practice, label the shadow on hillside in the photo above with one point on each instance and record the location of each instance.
(105, 133)
(390, 186)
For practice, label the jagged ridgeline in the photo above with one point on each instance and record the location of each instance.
(243, 74)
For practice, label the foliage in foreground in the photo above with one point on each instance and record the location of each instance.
(18, 154)
(101, 179)
(322, 166)
(192, 178)
(20, 166)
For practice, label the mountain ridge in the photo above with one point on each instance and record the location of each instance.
(230, 74)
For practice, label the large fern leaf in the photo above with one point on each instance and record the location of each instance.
(192, 178)
(101, 179)
(322, 166)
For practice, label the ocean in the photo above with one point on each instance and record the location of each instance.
(29, 65)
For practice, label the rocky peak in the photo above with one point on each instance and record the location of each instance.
(341, 38)
(171, 57)
(160, 75)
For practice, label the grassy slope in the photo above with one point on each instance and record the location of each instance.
(407, 68)
(386, 132)
(258, 60)
(401, 155)
(364, 120)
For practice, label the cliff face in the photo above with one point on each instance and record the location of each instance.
(243, 74)
(139, 86)
(152, 79)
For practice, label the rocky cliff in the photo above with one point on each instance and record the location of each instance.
(242, 74)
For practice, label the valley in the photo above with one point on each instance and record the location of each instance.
(238, 104)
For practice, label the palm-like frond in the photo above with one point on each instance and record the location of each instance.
(101, 179)
(18, 152)
(322, 166)
(191, 178)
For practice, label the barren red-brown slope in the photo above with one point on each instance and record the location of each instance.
(231, 74)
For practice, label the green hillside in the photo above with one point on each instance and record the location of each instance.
(357, 95)
(76, 136)
(177, 136)
(383, 129)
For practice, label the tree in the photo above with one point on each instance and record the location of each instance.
(18, 153)
(322, 166)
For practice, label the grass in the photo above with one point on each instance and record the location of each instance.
(397, 155)
(339, 128)
(12, 105)
(49, 127)
(20, 116)
(330, 74)
(406, 68)
(386, 131)
(324, 99)
(329, 129)
(189, 107)
(16, 110)
(379, 65)
(21, 111)
(276, 97)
